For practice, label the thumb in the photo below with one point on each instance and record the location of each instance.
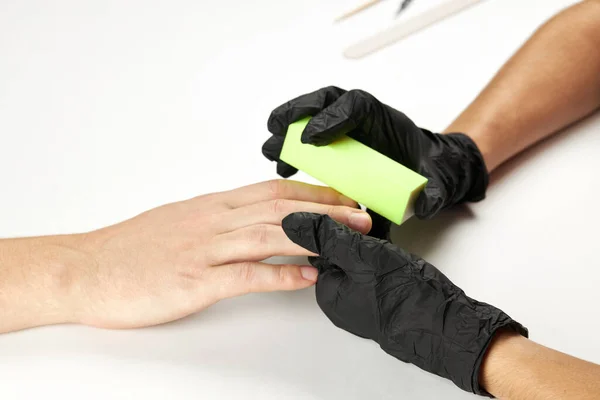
(349, 250)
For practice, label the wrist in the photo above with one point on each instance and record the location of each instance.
(476, 169)
(40, 281)
(475, 326)
(72, 256)
(500, 359)
(469, 172)
(486, 131)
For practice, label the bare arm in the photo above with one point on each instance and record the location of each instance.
(516, 368)
(550, 83)
(36, 281)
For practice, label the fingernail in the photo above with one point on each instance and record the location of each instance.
(359, 221)
(309, 273)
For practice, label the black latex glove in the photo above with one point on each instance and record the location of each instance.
(452, 162)
(375, 290)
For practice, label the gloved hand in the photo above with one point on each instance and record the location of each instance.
(375, 290)
(452, 162)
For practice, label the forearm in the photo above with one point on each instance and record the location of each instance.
(516, 368)
(36, 281)
(550, 83)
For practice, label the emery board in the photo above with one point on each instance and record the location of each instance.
(357, 171)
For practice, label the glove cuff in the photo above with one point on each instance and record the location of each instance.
(482, 322)
(476, 171)
(505, 323)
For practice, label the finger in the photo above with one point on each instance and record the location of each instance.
(252, 243)
(306, 105)
(346, 114)
(271, 149)
(274, 211)
(251, 277)
(338, 244)
(381, 226)
(330, 279)
(328, 288)
(285, 170)
(319, 263)
(284, 189)
(430, 201)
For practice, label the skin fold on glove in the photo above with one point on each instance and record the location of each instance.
(375, 290)
(452, 162)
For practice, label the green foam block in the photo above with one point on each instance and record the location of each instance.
(357, 171)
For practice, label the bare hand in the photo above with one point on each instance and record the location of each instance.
(177, 259)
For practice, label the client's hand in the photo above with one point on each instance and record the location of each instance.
(180, 258)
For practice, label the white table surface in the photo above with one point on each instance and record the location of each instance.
(108, 108)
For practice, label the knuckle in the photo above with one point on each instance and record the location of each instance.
(210, 197)
(330, 88)
(247, 272)
(358, 93)
(214, 200)
(276, 188)
(282, 277)
(361, 95)
(259, 234)
(278, 206)
(334, 211)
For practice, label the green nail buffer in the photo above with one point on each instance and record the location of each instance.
(357, 171)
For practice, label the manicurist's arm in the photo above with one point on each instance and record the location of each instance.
(550, 83)
(516, 368)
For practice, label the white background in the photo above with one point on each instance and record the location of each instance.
(108, 108)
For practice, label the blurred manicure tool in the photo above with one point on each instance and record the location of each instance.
(403, 5)
(368, 4)
(404, 28)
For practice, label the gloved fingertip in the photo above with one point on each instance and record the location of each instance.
(285, 170)
(311, 131)
(426, 207)
(319, 263)
(317, 132)
(380, 227)
(271, 149)
(301, 228)
(275, 125)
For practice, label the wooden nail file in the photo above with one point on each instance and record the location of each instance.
(407, 28)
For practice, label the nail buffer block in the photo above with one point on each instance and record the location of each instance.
(357, 171)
